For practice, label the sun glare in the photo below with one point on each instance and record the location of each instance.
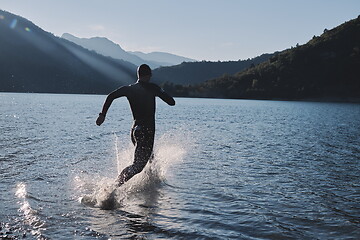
(13, 23)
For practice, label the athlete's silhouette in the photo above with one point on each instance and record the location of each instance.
(141, 97)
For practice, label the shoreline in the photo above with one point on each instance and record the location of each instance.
(354, 100)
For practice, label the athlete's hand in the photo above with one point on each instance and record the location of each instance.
(100, 119)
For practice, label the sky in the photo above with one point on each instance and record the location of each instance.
(212, 30)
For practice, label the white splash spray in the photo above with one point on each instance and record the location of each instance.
(169, 151)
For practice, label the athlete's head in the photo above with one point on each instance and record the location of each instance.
(144, 71)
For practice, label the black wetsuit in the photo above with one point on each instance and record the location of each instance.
(141, 97)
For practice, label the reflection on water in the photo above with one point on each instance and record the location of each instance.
(31, 216)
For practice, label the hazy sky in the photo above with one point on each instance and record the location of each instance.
(200, 29)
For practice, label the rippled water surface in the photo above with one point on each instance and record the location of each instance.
(223, 169)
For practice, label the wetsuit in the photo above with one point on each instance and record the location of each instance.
(141, 97)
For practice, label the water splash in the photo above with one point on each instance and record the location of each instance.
(104, 196)
(102, 192)
(169, 151)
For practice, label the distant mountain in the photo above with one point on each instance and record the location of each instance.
(164, 59)
(325, 68)
(189, 73)
(32, 60)
(106, 47)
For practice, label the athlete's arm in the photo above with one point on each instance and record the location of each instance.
(109, 99)
(165, 97)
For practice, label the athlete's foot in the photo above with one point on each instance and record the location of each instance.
(109, 202)
(119, 181)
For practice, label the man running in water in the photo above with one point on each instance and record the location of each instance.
(141, 97)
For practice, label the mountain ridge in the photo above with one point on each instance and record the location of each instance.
(33, 60)
(163, 57)
(109, 48)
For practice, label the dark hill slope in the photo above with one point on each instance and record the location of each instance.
(32, 60)
(327, 67)
(198, 72)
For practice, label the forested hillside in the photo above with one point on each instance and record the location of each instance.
(188, 73)
(326, 68)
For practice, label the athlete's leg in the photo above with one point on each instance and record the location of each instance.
(144, 141)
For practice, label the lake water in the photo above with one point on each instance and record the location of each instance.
(223, 169)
